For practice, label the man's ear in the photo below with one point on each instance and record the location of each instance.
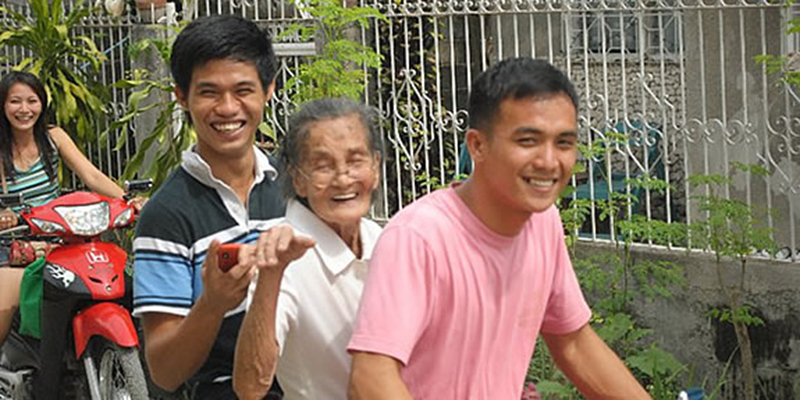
(477, 143)
(181, 98)
(270, 91)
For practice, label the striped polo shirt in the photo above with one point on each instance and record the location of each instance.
(175, 229)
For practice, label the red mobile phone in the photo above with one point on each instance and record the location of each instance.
(228, 256)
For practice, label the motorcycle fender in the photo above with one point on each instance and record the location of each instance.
(109, 320)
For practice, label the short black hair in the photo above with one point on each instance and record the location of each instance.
(294, 142)
(515, 78)
(220, 37)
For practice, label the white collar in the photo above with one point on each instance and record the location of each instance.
(334, 253)
(197, 167)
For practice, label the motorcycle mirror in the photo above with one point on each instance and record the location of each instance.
(139, 185)
(12, 200)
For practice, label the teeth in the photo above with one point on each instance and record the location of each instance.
(539, 182)
(228, 127)
(345, 197)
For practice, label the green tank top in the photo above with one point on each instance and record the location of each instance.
(37, 187)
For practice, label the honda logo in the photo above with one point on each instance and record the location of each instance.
(96, 256)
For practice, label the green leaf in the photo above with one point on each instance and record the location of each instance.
(338, 69)
(68, 97)
(654, 362)
(267, 130)
(552, 388)
(6, 35)
(615, 327)
(713, 179)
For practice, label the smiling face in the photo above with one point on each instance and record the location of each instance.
(226, 103)
(337, 172)
(22, 107)
(528, 157)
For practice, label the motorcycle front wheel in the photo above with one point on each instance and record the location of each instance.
(119, 373)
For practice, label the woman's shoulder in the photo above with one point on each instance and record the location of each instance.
(57, 137)
(56, 129)
(57, 134)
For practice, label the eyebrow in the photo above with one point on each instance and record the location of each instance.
(527, 130)
(530, 130)
(204, 85)
(569, 134)
(348, 152)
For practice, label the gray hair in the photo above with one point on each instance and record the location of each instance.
(294, 142)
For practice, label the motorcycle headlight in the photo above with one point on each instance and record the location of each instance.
(124, 218)
(47, 226)
(86, 220)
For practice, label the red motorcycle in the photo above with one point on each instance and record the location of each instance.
(89, 346)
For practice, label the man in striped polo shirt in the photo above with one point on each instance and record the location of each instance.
(223, 192)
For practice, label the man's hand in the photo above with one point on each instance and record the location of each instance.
(226, 290)
(177, 346)
(280, 246)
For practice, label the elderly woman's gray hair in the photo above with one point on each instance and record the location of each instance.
(294, 142)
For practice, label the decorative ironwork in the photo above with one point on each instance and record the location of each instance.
(677, 76)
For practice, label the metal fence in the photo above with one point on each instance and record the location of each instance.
(677, 77)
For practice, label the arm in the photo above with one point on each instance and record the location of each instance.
(176, 347)
(257, 347)
(594, 369)
(77, 162)
(376, 377)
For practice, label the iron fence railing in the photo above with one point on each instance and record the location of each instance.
(678, 77)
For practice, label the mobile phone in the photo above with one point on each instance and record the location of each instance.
(228, 256)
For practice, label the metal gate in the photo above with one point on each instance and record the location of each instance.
(677, 77)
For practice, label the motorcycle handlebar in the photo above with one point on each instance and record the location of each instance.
(10, 233)
(136, 186)
(12, 200)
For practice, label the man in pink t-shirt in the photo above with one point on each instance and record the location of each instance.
(462, 282)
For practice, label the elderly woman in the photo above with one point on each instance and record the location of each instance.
(332, 156)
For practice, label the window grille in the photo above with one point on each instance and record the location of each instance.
(628, 30)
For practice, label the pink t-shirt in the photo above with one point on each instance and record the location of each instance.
(461, 306)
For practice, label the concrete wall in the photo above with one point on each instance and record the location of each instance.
(681, 324)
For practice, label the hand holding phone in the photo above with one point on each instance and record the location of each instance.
(228, 256)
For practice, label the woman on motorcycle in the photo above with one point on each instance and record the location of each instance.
(30, 149)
